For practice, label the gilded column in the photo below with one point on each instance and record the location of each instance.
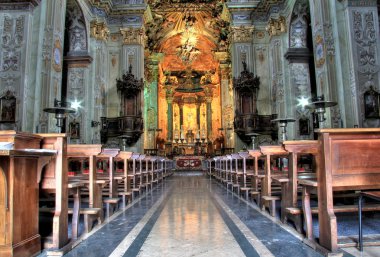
(198, 104)
(208, 92)
(170, 119)
(180, 105)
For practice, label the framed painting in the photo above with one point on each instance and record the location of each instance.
(371, 104)
(74, 130)
(8, 109)
(304, 126)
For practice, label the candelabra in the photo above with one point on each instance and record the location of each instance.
(283, 122)
(319, 106)
(60, 110)
(253, 136)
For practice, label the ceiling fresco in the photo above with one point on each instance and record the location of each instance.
(188, 37)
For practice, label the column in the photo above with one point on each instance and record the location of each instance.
(99, 34)
(358, 74)
(208, 96)
(133, 55)
(18, 63)
(198, 104)
(209, 118)
(327, 62)
(180, 105)
(241, 50)
(52, 55)
(170, 118)
(77, 84)
(298, 56)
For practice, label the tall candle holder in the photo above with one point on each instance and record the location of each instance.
(319, 106)
(60, 110)
(253, 136)
(283, 122)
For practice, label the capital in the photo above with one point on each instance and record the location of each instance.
(242, 34)
(99, 30)
(133, 36)
(276, 26)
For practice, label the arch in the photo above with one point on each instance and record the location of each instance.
(76, 36)
(299, 23)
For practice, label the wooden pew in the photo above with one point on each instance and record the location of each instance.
(54, 180)
(112, 201)
(20, 173)
(347, 162)
(136, 175)
(126, 191)
(245, 188)
(289, 195)
(256, 176)
(89, 152)
(267, 199)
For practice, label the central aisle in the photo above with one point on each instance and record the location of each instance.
(189, 214)
(190, 224)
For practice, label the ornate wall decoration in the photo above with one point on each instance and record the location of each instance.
(12, 40)
(22, 5)
(260, 34)
(320, 51)
(76, 35)
(301, 76)
(76, 84)
(133, 36)
(99, 30)
(299, 25)
(276, 26)
(242, 34)
(329, 39)
(365, 37)
(57, 56)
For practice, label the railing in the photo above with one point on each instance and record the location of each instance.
(130, 127)
(253, 123)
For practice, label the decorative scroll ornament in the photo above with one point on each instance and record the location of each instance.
(129, 85)
(241, 34)
(320, 51)
(246, 80)
(276, 26)
(133, 36)
(99, 30)
(57, 56)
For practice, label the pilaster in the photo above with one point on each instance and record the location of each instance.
(16, 64)
(363, 67)
(322, 16)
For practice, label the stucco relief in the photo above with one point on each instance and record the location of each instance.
(12, 40)
(300, 75)
(365, 37)
(298, 26)
(329, 39)
(47, 45)
(76, 28)
(242, 34)
(76, 87)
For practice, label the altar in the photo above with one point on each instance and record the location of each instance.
(184, 163)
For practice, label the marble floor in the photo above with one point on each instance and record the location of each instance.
(190, 214)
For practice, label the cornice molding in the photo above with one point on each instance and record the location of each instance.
(19, 5)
